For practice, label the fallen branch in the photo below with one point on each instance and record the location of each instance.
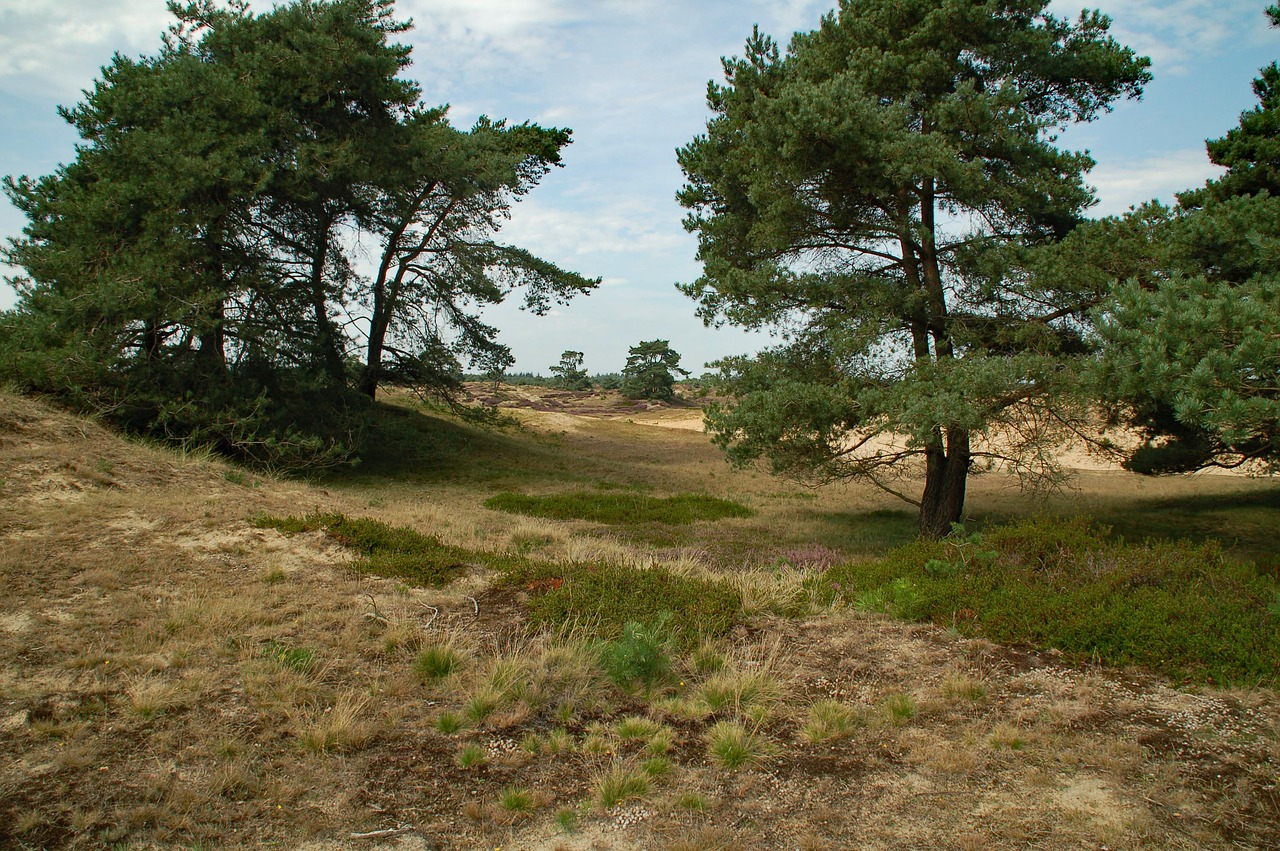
(378, 834)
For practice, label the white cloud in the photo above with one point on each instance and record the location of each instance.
(1176, 33)
(56, 49)
(1125, 183)
(625, 227)
(515, 27)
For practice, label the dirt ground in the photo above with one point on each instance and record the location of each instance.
(174, 676)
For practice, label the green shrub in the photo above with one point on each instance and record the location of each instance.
(613, 507)
(601, 599)
(1181, 608)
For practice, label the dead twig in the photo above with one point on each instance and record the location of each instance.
(476, 604)
(435, 613)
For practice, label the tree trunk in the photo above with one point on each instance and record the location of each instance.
(213, 343)
(326, 335)
(372, 373)
(946, 476)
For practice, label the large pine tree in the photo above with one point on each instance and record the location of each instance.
(867, 194)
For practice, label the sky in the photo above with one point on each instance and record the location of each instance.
(629, 78)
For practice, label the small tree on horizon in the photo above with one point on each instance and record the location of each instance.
(648, 373)
(569, 373)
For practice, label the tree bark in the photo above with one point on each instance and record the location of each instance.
(946, 475)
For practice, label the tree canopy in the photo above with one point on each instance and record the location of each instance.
(872, 195)
(201, 250)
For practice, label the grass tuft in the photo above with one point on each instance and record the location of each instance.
(657, 767)
(515, 799)
(481, 706)
(300, 659)
(471, 755)
(733, 746)
(637, 728)
(448, 723)
(961, 686)
(829, 720)
(437, 661)
(344, 726)
(899, 708)
(739, 691)
(618, 783)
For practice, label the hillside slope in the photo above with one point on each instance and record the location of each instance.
(170, 674)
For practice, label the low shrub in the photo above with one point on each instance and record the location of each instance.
(601, 599)
(619, 508)
(1179, 608)
(390, 551)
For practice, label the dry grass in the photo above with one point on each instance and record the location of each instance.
(241, 688)
(344, 725)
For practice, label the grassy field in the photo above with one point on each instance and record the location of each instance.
(402, 656)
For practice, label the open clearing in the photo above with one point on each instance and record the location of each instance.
(175, 676)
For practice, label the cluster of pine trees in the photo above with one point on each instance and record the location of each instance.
(192, 272)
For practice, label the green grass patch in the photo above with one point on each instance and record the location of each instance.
(1183, 609)
(300, 659)
(619, 508)
(390, 551)
(601, 599)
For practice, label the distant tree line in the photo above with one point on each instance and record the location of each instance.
(650, 373)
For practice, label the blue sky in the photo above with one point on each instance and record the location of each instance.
(629, 77)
